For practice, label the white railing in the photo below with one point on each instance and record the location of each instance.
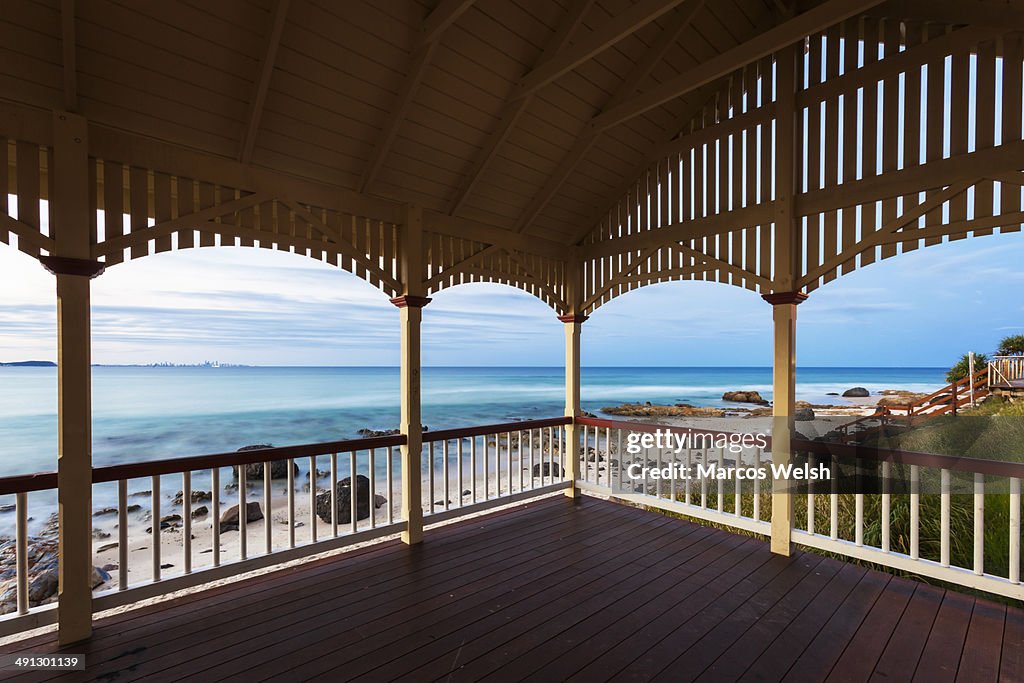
(944, 517)
(609, 466)
(1004, 370)
(149, 540)
(483, 467)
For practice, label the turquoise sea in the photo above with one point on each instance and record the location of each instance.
(147, 413)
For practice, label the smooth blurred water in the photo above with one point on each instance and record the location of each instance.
(151, 413)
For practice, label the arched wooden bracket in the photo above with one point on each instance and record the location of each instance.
(573, 318)
(776, 298)
(62, 265)
(410, 300)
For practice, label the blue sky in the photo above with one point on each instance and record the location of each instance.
(262, 307)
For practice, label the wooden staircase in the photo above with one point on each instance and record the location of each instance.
(893, 418)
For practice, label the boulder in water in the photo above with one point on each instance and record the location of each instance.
(856, 392)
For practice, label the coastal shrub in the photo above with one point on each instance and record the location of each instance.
(963, 366)
(1012, 345)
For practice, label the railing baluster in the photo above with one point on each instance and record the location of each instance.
(658, 463)
(312, 499)
(155, 511)
(459, 454)
(979, 523)
(122, 534)
(372, 465)
(858, 531)
(268, 503)
(737, 511)
(334, 495)
(551, 456)
(444, 473)
(833, 522)
(585, 462)
(431, 493)
(472, 470)
(561, 452)
(1014, 575)
(353, 497)
(215, 502)
(757, 485)
(720, 502)
(703, 482)
(519, 459)
(621, 454)
(243, 512)
(607, 457)
(391, 482)
(291, 503)
(810, 497)
(915, 512)
(21, 549)
(944, 523)
(186, 520)
(886, 506)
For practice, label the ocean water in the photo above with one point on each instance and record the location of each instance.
(142, 413)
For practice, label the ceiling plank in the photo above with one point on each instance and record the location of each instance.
(443, 16)
(586, 140)
(1002, 15)
(611, 32)
(68, 48)
(263, 82)
(761, 45)
(513, 109)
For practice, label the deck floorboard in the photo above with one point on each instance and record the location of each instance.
(553, 590)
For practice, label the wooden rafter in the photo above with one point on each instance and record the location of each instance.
(262, 82)
(68, 50)
(761, 45)
(513, 109)
(612, 31)
(586, 140)
(521, 277)
(443, 16)
(1005, 16)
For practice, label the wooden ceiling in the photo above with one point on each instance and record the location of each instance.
(515, 114)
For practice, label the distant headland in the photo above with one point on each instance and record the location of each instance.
(30, 364)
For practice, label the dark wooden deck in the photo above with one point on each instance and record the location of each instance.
(554, 591)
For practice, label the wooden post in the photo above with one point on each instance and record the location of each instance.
(410, 305)
(573, 321)
(784, 298)
(71, 264)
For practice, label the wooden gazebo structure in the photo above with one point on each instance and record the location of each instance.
(576, 149)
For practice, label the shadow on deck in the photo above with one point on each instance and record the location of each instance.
(556, 591)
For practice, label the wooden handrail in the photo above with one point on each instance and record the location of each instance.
(465, 432)
(25, 483)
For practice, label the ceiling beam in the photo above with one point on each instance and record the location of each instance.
(600, 39)
(263, 81)
(761, 45)
(68, 49)
(513, 109)
(443, 16)
(1005, 15)
(583, 143)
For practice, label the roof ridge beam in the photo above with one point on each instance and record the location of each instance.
(441, 18)
(513, 108)
(584, 142)
(761, 45)
(603, 37)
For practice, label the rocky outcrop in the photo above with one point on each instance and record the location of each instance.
(42, 574)
(203, 496)
(254, 470)
(856, 392)
(343, 500)
(805, 414)
(744, 397)
(370, 433)
(548, 469)
(229, 520)
(650, 410)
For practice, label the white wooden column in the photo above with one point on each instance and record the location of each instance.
(784, 298)
(410, 305)
(71, 263)
(573, 327)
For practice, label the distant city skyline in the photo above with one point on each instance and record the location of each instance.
(261, 307)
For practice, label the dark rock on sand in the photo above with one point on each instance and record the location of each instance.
(254, 470)
(202, 496)
(744, 397)
(343, 500)
(548, 469)
(856, 392)
(200, 511)
(803, 414)
(229, 520)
